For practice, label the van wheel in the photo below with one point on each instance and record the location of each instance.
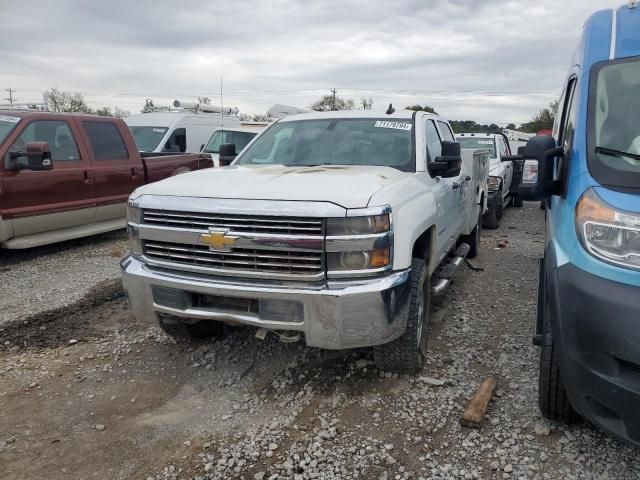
(406, 354)
(517, 201)
(552, 396)
(492, 218)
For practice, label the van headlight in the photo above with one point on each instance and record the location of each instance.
(608, 234)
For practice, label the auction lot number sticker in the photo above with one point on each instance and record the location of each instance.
(396, 125)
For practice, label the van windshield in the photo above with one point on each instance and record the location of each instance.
(7, 123)
(239, 139)
(478, 143)
(345, 141)
(148, 138)
(614, 156)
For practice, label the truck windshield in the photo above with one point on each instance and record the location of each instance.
(614, 153)
(478, 143)
(148, 138)
(347, 141)
(7, 123)
(239, 139)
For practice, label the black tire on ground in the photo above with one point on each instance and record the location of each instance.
(552, 396)
(473, 239)
(517, 201)
(406, 354)
(204, 329)
(491, 219)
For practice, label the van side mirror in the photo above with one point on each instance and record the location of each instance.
(38, 158)
(226, 154)
(538, 167)
(449, 163)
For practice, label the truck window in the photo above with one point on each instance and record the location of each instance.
(106, 141)
(56, 133)
(147, 138)
(177, 142)
(477, 143)
(239, 139)
(614, 130)
(341, 141)
(7, 124)
(446, 132)
(434, 144)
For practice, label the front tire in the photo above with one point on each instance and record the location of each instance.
(406, 354)
(473, 239)
(517, 201)
(552, 395)
(492, 218)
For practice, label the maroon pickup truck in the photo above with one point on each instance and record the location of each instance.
(65, 176)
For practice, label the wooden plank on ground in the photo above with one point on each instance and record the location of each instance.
(474, 414)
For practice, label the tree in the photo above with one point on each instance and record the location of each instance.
(420, 108)
(63, 101)
(543, 120)
(120, 113)
(511, 126)
(104, 112)
(366, 103)
(204, 100)
(331, 102)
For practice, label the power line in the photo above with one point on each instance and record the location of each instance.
(10, 99)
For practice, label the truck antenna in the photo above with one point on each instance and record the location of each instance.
(221, 107)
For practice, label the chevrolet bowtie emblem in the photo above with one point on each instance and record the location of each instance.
(218, 240)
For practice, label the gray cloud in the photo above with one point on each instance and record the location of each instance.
(498, 60)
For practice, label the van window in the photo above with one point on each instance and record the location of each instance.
(434, 145)
(614, 123)
(177, 142)
(147, 138)
(239, 139)
(106, 141)
(56, 133)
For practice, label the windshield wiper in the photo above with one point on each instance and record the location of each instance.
(617, 153)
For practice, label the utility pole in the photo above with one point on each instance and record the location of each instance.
(333, 99)
(10, 99)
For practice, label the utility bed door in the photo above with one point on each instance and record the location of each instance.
(42, 201)
(117, 167)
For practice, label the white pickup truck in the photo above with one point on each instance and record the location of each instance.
(334, 226)
(503, 181)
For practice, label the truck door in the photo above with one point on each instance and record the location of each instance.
(42, 201)
(118, 170)
(446, 196)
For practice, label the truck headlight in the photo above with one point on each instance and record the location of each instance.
(493, 184)
(358, 225)
(353, 261)
(134, 217)
(608, 234)
(134, 214)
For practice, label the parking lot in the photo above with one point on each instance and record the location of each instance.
(86, 391)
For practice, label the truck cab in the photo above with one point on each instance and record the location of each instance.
(588, 174)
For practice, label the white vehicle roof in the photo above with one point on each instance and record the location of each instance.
(167, 119)
(398, 114)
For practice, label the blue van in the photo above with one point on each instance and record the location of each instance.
(588, 174)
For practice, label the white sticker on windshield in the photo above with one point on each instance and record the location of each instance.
(485, 142)
(159, 130)
(396, 125)
(7, 118)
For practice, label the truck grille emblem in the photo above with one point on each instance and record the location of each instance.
(218, 240)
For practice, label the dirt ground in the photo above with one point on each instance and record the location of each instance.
(88, 392)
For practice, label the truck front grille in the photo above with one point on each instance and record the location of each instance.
(235, 223)
(239, 261)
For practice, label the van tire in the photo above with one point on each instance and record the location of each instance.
(406, 354)
(552, 396)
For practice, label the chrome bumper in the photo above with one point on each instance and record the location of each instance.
(335, 315)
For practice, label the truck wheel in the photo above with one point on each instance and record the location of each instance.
(491, 219)
(517, 201)
(552, 396)
(473, 239)
(406, 353)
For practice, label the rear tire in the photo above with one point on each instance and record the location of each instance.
(406, 354)
(473, 239)
(552, 395)
(517, 201)
(492, 218)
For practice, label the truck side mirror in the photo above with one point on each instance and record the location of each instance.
(449, 163)
(38, 158)
(538, 168)
(227, 154)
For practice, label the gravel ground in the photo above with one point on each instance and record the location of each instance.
(95, 394)
(45, 278)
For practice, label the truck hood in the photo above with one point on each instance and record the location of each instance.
(347, 186)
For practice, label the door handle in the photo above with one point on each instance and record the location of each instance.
(133, 172)
(87, 177)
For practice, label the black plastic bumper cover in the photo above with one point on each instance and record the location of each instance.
(597, 329)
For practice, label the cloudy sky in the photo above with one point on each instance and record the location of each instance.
(485, 60)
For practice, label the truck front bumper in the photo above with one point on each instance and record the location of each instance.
(333, 315)
(598, 337)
